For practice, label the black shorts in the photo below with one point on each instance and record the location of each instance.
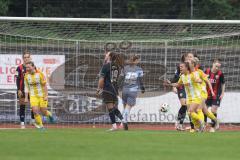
(109, 98)
(181, 93)
(213, 102)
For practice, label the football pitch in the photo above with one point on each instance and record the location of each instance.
(97, 144)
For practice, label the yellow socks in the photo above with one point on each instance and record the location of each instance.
(48, 114)
(194, 115)
(38, 119)
(210, 115)
(200, 114)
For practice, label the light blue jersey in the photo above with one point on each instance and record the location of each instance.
(132, 75)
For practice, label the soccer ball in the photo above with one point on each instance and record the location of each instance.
(164, 107)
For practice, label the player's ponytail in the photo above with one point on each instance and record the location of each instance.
(117, 59)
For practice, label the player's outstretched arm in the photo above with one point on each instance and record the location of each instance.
(175, 85)
(168, 83)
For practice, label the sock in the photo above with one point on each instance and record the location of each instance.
(213, 122)
(210, 115)
(200, 114)
(32, 115)
(48, 114)
(191, 123)
(114, 125)
(112, 116)
(118, 113)
(194, 123)
(182, 114)
(205, 118)
(38, 119)
(126, 114)
(22, 113)
(194, 115)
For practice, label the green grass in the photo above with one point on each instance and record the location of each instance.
(97, 144)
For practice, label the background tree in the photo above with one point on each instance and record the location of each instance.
(4, 4)
(171, 9)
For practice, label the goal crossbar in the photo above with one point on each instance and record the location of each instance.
(119, 20)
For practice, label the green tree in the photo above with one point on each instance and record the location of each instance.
(169, 9)
(4, 4)
(214, 9)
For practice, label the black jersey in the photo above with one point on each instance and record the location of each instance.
(110, 72)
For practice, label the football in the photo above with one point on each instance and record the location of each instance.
(164, 107)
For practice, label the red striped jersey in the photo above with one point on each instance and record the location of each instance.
(216, 79)
(20, 73)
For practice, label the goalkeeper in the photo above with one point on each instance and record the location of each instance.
(132, 83)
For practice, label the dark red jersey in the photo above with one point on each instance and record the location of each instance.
(21, 70)
(216, 79)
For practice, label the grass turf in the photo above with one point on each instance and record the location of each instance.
(97, 144)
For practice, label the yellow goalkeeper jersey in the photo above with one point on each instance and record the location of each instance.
(34, 84)
(192, 88)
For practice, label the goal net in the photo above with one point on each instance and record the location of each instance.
(70, 52)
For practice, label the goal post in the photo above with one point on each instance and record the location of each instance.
(70, 51)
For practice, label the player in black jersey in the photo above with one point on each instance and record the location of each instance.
(108, 85)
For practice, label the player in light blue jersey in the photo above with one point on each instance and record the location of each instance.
(132, 83)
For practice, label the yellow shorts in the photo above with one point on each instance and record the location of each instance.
(194, 101)
(38, 102)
